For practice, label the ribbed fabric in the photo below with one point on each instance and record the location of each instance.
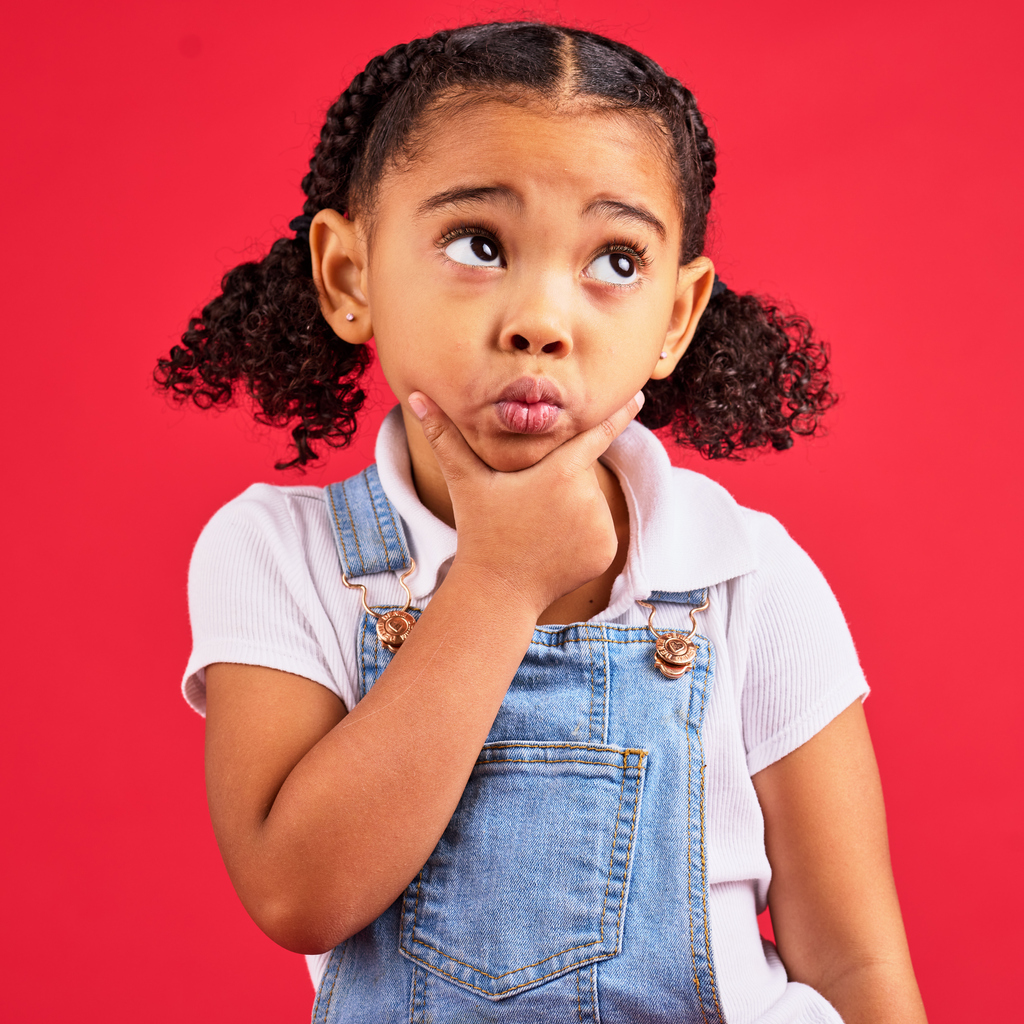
(265, 589)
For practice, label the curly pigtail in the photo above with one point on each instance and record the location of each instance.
(752, 376)
(264, 334)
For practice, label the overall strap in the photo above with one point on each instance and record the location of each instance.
(690, 597)
(366, 526)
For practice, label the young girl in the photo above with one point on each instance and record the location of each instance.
(522, 723)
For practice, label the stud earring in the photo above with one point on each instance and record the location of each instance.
(350, 316)
(664, 355)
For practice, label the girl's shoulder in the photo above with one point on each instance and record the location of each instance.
(688, 525)
(712, 512)
(269, 499)
(743, 542)
(264, 510)
(267, 537)
(264, 588)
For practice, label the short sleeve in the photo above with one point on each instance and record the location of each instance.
(802, 667)
(252, 596)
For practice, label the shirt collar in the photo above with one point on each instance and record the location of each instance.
(431, 542)
(686, 532)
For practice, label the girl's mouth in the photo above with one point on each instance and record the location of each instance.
(529, 406)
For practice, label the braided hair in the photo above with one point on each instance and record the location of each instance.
(752, 376)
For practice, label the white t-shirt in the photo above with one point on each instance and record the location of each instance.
(265, 589)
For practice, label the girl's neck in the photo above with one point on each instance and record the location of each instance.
(593, 597)
(578, 605)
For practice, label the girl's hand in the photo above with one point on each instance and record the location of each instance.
(325, 814)
(535, 534)
(833, 900)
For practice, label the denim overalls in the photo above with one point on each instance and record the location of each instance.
(571, 882)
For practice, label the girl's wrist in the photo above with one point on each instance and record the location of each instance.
(497, 595)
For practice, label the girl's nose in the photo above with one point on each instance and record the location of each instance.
(540, 326)
(557, 347)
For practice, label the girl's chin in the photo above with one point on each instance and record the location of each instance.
(510, 453)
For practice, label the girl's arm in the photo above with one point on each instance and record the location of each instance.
(832, 897)
(323, 817)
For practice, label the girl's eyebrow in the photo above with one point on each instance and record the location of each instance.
(468, 196)
(624, 211)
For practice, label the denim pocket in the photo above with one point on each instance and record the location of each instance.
(530, 878)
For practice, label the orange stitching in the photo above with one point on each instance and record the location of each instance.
(689, 833)
(337, 523)
(696, 979)
(590, 719)
(562, 745)
(615, 835)
(704, 888)
(689, 852)
(629, 848)
(625, 767)
(583, 945)
(410, 1016)
(703, 849)
(587, 640)
(580, 640)
(524, 984)
(415, 985)
(516, 970)
(579, 996)
(416, 904)
(373, 505)
(355, 532)
(334, 981)
(542, 760)
(391, 516)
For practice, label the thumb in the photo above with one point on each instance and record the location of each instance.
(453, 454)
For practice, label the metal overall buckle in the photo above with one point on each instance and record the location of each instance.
(674, 652)
(393, 627)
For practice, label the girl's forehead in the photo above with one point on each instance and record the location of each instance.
(537, 149)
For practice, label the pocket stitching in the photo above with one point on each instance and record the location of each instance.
(640, 754)
(514, 988)
(632, 836)
(615, 837)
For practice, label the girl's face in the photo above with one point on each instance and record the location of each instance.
(523, 272)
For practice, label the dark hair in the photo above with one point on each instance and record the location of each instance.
(751, 377)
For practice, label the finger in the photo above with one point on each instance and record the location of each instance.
(583, 450)
(450, 448)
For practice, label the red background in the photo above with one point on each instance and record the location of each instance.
(870, 172)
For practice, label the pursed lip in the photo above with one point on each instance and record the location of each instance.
(532, 390)
(529, 405)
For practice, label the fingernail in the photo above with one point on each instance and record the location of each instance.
(417, 404)
(640, 400)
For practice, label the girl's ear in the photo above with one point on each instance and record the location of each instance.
(693, 292)
(338, 252)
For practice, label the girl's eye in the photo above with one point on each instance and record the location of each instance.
(614, 268)
(474, 251)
